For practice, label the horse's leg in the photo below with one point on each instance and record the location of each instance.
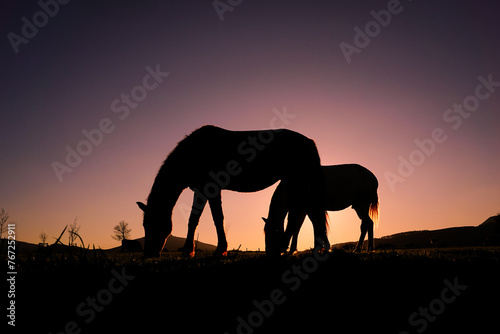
(318, 219)
(216, 208)
(310, 199)
(366, 226)
(316, 208)
(371, 248)
(199, 202)
(359, 246)
(295, 221)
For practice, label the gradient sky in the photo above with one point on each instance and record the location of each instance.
(264, 57)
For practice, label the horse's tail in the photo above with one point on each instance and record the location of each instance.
(374, 210)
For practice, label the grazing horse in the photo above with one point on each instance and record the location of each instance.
(211, 159)
(345, 185)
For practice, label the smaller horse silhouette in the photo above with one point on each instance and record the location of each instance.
(345, 185)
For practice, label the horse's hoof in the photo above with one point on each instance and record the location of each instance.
(219, 254)
(322, 250)
(187, 253)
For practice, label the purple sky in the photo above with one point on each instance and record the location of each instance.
(90, 67)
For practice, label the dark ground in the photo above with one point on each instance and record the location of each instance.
(360, 292)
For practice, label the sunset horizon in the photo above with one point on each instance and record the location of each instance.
(371, 124)
(93, 108)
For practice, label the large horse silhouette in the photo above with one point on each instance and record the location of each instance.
(211, 159)
(345, 185)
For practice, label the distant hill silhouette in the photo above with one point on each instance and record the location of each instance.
(20, 246)
(486, 234)
(27, 247)
(173, 244)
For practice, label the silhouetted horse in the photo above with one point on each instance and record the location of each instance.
(345, 185)
(211, 159)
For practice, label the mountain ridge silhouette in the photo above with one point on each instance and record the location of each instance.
(173, 244)
(485, 234)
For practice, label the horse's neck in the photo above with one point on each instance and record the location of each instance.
(164, 193)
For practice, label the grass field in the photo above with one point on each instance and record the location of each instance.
(414, 291)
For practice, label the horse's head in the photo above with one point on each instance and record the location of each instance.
(274, 237)
(156, 228)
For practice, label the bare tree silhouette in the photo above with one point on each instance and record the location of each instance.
(73, 232)
(121, 231)
(43, 236)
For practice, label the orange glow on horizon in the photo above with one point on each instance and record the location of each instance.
(235, 74)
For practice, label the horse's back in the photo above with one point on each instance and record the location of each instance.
(246, 145)
(350, 174)
(348, 184)
(253, 159)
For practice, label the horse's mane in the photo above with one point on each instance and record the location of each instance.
(182, 150)
(176, 160)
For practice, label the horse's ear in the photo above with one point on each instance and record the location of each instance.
(142, 206)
